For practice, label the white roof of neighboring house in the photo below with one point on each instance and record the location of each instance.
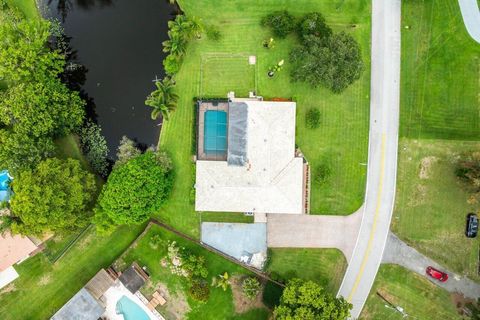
(14, 248)
(272, 179)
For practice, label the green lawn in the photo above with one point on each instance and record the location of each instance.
(440, 73)
(220, 304)
(43, 288)
(431, 204)
(420, 298)
(222, 72)
(340, 141)
(324, 266)
(440, 86)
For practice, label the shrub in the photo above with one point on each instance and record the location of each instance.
(126, 150)
(251, 287)
(213, 33)
(95, 148)
(184, 263)
(171, 64)
(199, 290)
(271, 294)
(312, 118)
(322, 173)
(281, 22)
(313, 24)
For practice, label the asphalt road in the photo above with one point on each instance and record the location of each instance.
(471, 17)
(398, 252)
(382, 154)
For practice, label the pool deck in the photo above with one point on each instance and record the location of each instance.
(202, 108)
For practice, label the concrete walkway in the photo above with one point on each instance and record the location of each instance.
(313, 231)
(398, 252)
(471, 17)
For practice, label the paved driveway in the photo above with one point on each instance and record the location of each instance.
(398, 252)
(471, 17)
(313, 231)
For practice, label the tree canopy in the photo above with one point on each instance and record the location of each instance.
(281, 22)
(35, 106)
(308, 301)
(56, 196)
(134, 191)
(314, 24)
(43, 108)
(24, 53)
(19, 151)
(334, 62)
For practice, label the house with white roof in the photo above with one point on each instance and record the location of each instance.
(247, 160)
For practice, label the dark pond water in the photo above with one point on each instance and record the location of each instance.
(120, 44)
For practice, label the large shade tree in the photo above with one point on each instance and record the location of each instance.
(134, 191)
(163, 100)
(19, 151)
(43, 108)
(56, 196)
(308, 301)
(334, 62)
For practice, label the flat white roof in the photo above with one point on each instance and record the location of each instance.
(272, 179)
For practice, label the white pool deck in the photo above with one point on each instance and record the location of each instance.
(115, 293)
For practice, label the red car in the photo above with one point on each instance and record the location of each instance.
(437, 274)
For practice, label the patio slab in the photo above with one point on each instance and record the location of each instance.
(236, 239)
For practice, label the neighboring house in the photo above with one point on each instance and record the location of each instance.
(13, 249)
(246, 158)
(107, 296)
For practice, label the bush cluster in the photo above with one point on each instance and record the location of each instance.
(312, 118)
(94, 146)
(281, 22)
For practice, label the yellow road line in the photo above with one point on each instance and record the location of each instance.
(374, 226)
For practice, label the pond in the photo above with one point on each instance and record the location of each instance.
(119, 42)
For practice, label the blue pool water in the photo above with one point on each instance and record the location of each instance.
(215, 134)
(130, 310)
(5, 180)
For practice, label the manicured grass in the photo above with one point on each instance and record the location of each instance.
(342, 138)
(222, 72)
(440, 85)
(225, 217)
(440, 73)
(220, 304)
(324, 266)
(27, 7)
(43, 288)
(431, 203)
(420, 298)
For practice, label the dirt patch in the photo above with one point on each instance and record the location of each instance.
(461, 303)
(44, 280)
(9, 288)
(176, 307)
(425, 165)
(243, 304)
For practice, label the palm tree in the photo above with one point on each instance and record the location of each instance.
(176, 45)
(196, 27)
(163, 100)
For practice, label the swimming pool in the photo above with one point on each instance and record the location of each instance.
(215, 132)
(130, 310)
(5, 180)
